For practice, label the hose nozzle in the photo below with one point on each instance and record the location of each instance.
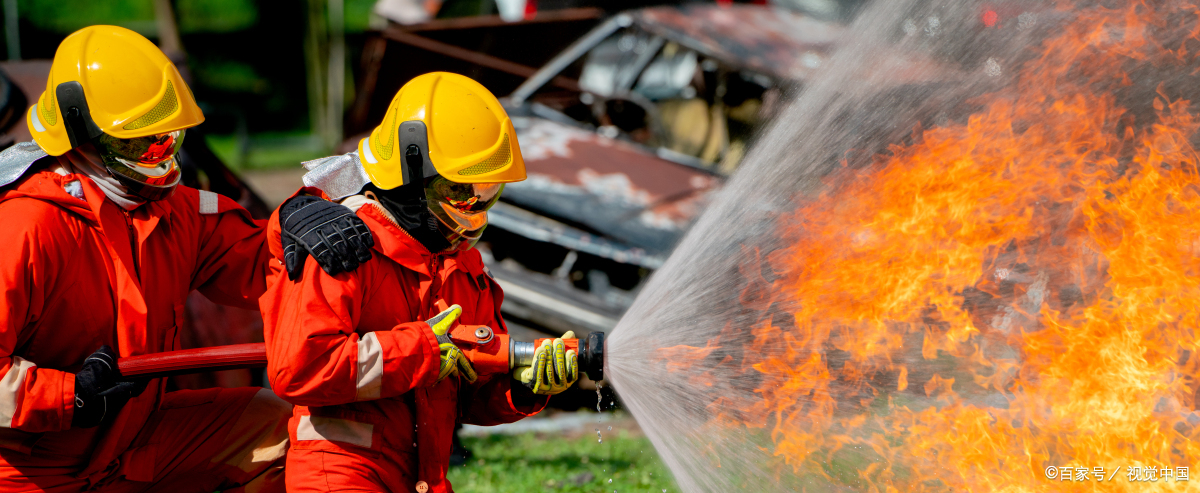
(590, 352)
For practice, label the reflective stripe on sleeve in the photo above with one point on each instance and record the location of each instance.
(334, 430)
(370, 368)
(10, 388)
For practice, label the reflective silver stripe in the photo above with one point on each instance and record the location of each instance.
(334, 430)
(208, 202)
(10, 387)
(370, 368)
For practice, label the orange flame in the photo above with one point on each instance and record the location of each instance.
(1016, 292)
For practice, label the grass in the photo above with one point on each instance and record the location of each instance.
(539, 462)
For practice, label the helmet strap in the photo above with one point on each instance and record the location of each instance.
(415, 170)
(413, 134)
(408, 205)
(76, 117)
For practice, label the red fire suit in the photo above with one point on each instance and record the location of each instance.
(354, 354)
(79, 273)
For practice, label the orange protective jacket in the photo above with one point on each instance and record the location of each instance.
(77, 274)
(354, 354)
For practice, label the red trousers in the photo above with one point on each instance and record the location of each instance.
(349, 470)
(198, 441)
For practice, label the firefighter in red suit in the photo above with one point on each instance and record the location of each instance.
(378, 386)
(102, 248)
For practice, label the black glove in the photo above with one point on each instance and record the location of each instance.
(99, 391)
(330, 232)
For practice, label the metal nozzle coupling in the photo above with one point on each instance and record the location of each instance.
(590, 355)
(520, 353)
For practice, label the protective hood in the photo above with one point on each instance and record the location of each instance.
(18, 159)
(410, 210)
(52, 188)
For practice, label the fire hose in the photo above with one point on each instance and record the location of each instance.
(185, 361)
(489, 353)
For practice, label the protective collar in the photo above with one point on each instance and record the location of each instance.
(86, 161)
(18, 159)
(409, 209)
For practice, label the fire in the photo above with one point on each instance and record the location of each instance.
(1011, 293)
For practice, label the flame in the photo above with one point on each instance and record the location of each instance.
(1010, 293)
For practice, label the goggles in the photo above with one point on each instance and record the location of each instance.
(461, 207)
(147, 165)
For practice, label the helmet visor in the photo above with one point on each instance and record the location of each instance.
(462, 207)
(147, 160)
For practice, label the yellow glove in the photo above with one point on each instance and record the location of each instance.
(453, 359)
(554, 368)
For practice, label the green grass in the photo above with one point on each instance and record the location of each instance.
(539, 462)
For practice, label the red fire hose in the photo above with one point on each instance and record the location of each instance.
(170, 363)
(498, 356)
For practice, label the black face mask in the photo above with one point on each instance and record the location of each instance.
(408, 206)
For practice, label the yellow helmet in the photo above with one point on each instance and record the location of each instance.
(109, 80)
(458, 127)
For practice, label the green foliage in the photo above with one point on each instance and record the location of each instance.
(65, 16)
(193, 16)
(539, 462)
(268, 150)
(215, 16)
(230, 76)
(358, 15)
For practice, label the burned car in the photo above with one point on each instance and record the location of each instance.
(662, 104)
(626, 132)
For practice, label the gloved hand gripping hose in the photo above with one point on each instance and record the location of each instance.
(555, 368)
(590, 354)
(453, 359)
(100, 390)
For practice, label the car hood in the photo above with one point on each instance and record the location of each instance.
(613, 188)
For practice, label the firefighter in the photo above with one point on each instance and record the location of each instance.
(103, 248)
(378, 389)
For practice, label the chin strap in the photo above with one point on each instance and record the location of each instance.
(408, 205)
